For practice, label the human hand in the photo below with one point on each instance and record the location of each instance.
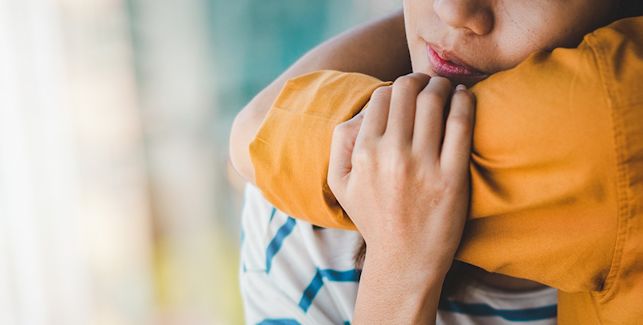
(401, 172)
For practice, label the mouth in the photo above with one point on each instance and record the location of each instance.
(448, 65)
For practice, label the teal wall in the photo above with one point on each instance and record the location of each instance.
(255, 41)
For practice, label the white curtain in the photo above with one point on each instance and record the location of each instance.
(42, 272)
(115, 202)
(74, 225)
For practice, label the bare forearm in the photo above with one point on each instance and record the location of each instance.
(377, 48)
(391, 292)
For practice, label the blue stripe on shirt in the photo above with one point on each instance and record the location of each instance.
(318, 282)
(514, 315)
(278, 240)
(278, 321)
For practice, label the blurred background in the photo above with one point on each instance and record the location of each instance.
(117, 203)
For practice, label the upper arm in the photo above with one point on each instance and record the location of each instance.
(245, 126)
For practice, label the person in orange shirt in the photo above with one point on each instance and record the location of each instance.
(568, 159)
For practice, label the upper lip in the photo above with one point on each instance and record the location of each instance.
(449, 56)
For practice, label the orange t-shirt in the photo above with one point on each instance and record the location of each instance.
(556, 168)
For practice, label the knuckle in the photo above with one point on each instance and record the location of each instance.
(341, 129)
(362, 156)
(381, 92)
(398, 165)
(404, 82)
(413, 80)
(351, 123)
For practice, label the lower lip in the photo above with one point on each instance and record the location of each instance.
(447, 68)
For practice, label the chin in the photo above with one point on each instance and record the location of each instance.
(425, 68)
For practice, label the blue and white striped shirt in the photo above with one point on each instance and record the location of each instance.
(294, 273)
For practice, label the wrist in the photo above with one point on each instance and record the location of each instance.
(427, 266)
(398, 294)
(413, 272)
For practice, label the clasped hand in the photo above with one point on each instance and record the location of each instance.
(400, 169)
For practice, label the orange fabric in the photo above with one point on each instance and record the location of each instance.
(556, 169)
(291, 149)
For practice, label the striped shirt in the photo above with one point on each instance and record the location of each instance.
(292, 272)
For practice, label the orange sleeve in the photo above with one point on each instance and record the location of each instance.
(291, 150)
(556, 170)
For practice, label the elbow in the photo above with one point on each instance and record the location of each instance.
(243, 130)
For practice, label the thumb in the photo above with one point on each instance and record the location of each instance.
(341, 151)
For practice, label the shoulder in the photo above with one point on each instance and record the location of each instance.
(618, 49)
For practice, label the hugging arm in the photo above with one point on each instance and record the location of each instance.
(407, 191)
(377, 48)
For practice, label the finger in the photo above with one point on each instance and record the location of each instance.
(456, 148)
(429, 117)
(402, 113)
(341, 151)
(376, 112)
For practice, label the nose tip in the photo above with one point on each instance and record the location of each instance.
(472, 15)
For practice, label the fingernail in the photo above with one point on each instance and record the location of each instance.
(461, 87)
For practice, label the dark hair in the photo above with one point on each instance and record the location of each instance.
(629, 8)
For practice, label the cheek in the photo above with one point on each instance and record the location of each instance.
(513, 50)
(529, 26)
(418, 16)
(522, 31)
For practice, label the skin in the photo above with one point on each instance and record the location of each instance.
(414, 183)
(488, 35)
(380, 176)
(496, 35)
